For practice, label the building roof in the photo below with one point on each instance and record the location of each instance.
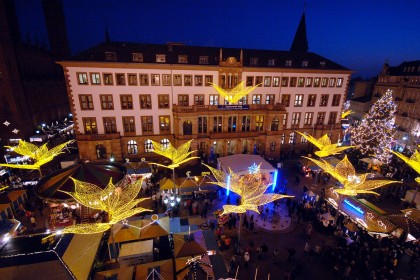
(407, 68)
(124, 53)
(300, 42)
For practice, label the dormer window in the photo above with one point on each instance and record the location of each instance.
(271, 62)
(160, 58)
(182, 59)
(137, 57)
(110, 56)
(322, 63)
(288, 63)
(305, 63)
(253, 61)
(203, 60)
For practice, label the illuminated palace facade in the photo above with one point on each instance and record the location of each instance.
(404, 80)
(123, 95)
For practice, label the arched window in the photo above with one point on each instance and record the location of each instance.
(148, 146)
(282, 139)
(100, 151)
(275, 124)
(187, 127)
(273, 146)
(292, 138)
(165, 142)
(132, 147)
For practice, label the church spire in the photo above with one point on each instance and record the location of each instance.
(107, 38)
(300, 42)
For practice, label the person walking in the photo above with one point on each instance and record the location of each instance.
(246, 259)
(33, 221)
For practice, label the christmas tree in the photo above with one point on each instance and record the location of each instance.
(375, 133)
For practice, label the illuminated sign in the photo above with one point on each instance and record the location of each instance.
(358, 209)
(233, 107)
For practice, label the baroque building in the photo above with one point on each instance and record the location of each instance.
(404, 81)
(122, 95)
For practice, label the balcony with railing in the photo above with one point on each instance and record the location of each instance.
(213, 108)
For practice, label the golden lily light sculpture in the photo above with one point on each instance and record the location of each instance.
(346, 113)
(413, 161)
(324, 145)
(177, 156)
(41, 155)
(250, 187)
(236, 93)
(345, 173)
(119, 203)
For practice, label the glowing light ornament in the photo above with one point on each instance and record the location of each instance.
(177, 156)
(346, 113)
(236, 93)
(413, 161)
(324, 145)
(253, 169)
(250, 187)
(353, 184)
(41, 155)
(119, 203)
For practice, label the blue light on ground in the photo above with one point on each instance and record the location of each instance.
(228, 185)
(275, 180)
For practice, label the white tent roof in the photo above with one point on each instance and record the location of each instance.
(370, 160)
(240, 163)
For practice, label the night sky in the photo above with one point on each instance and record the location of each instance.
(360, 35)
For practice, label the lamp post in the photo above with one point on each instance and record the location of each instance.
(171, 201)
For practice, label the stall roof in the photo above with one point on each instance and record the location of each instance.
(189, 244)
(140, 167)
(99, 174)
(360, 213)
(69, 257)
(240, 163)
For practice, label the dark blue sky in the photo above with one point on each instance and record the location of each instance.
(360, 34)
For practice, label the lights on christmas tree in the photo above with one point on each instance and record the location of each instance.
(324, 145)
(236, 93)
(345, 173)
(376, 132)
(250, 187)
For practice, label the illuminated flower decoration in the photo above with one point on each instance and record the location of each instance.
(324, 145)
(236, 93)
(41, 155)
(250, 187)
(177, 156)
(413, 161)
(345, 173)
(119, 203)
(346, 113)
(2, 188)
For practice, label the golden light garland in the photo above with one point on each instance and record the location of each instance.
(177, 156)
(41, 155)
(413, 161)
(353, 184)
(236, 93)
(324, 145)
(250, 187)
(119, 203)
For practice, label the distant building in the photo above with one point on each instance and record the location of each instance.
(32, 86)
(404, 80)
(125, 94)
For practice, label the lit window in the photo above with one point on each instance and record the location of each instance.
(148, 146)
(95, 78)
(160, 58)
(164, 124)
(267, 81)
(155, 79)
(177, 80)
(132, 147)
(298, 100)
(82, 78)
(129, 124)
(89, 125)
(144, 79)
